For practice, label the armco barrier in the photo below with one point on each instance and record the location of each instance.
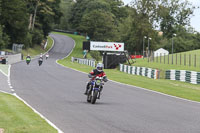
(84, 61)
(183, 75)
(143, 71)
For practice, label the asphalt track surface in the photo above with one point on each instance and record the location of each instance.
(57, 93)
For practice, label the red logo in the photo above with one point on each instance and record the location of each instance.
(117, 46)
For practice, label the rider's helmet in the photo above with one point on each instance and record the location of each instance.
(100, 67)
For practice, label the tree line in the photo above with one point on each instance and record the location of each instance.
(27, 22)
(111, 20)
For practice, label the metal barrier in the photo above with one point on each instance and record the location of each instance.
(88, 62)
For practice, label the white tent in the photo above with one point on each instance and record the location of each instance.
(161, 52)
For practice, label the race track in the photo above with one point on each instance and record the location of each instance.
(57, 93)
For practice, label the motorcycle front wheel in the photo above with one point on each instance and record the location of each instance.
(94, 97)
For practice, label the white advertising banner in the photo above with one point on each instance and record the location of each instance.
(107, 46)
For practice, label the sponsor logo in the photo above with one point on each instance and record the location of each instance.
(117, 46)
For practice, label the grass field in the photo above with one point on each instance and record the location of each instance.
(37, 49)
(181, 61)
(16, 117)
(175, 88)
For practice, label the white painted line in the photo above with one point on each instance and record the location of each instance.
(48, 121)
(9, 67)
(5, 92)
(133, 85)
(155, 92)
(3, 73)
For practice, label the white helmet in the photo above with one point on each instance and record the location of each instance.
(100, 67)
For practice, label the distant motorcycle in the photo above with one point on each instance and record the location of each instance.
(40, 61)
(95, 89)
(28, 60)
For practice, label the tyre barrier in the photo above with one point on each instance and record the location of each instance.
(192, 77)
(84, 61)
(143, 71)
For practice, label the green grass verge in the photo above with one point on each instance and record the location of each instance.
(4, 68)
(16, 117)
(180, 61)
(174, 88)
(37, 49)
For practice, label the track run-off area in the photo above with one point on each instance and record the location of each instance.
(57, 93)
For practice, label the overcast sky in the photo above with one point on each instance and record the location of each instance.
(195, 20)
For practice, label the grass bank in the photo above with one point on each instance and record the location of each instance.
(175, 88)
(16, 117)
(37, 49)
(181, 61)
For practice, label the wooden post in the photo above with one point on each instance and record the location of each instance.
(168, 58)
(189, 59)
(164, 58)
(160, 57)
(185, 59)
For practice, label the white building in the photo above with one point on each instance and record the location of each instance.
(161, 52)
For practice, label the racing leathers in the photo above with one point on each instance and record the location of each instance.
(92, 75)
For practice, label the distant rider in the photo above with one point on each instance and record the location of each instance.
(28, 59)
(98, 72)
(40, 60)
(47, 56)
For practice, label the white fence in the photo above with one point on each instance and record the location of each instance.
(84, 61)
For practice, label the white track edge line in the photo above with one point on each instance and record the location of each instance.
(14, 94)
(3, 73)
(48, 121)
(132, 85)
(34, 110)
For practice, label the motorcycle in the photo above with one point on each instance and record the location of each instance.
(94, 90)
(28, 60)
(40, 61)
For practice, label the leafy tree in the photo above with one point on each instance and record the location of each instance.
(4, 39)
(99, 25)
(15, 19)
(172, 13)
(96, 55)
(65, 8)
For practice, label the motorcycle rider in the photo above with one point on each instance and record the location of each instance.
(28, 59)
(40, 60)
(98, 72)
(47, 56)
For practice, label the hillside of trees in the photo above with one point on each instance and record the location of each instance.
(111, 20)
(29, 22)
